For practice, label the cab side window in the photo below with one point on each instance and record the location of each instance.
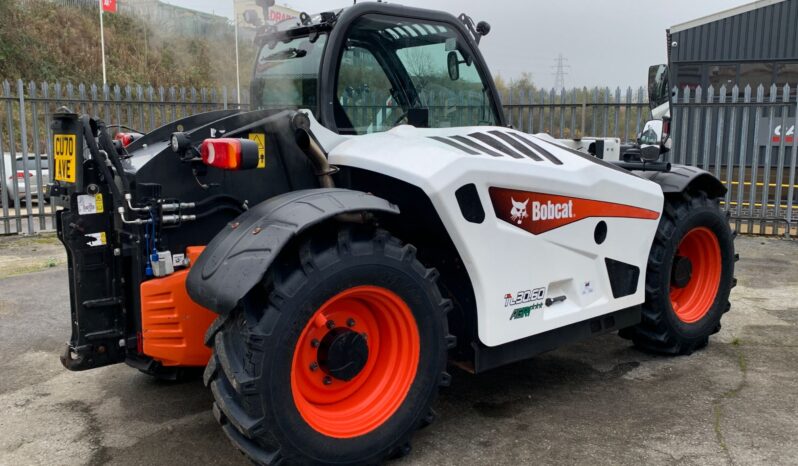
(364, 93)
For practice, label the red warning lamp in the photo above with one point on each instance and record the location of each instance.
(230, 153)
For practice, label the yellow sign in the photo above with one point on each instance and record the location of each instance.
(65, 157)
(98, 199)
(260, 138)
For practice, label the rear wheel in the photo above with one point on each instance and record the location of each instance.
(337, 358)
(690, 275)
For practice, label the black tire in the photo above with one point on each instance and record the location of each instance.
(250, 371)
(11, 203)
(661, 330)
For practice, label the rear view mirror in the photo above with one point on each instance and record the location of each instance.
(651, 134)
(651, 140)
(659, 91)
(453, 63)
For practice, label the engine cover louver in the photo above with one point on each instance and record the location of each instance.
(497, 143)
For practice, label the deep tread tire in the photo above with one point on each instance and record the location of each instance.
(249, 373)
(660, 330)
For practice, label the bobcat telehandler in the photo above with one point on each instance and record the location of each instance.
(324, 255)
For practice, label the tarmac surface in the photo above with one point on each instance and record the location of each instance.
(597, 402)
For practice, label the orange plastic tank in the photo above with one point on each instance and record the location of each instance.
(172, 325)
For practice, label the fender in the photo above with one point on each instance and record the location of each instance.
(680, 177)
(239, 255)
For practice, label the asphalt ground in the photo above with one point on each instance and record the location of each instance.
(597, 402)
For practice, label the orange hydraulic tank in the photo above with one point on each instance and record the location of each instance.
(172, 325)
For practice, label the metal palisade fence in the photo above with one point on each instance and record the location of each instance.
(26, 139)
(746, 137)
(574, 113)
(578, 113)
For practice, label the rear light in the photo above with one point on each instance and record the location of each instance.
(230, 153)
(20, 176)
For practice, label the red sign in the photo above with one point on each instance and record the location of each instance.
(108, 5)
(538, 213)
(276, 16)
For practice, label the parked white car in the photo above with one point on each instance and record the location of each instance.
(10, 196)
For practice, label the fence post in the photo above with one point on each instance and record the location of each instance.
(562, 111)
(37, 153)
(708, 125)
(741, 160)
(628, 111)
(721, 118)
(509, 106)
(730, 148)
(151, 107)
(140, 97)
(23, 131)
(697, 112)
(640, 110)
(12, 149)
(760, 98)
(794, 156)
(3, 178)
(48, 135)
(768, 156)
(572, 130)
(584, 112)
(616, 128)
(783, 130)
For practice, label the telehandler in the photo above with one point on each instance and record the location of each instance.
(323, 257)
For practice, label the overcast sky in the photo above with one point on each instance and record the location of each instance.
(606, 43)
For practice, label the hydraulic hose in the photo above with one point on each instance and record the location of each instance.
(219, 208)
(219, 198)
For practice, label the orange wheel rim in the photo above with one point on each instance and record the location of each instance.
(692, 301)
(343, 408)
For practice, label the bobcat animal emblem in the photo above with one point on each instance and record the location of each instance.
(518, 213)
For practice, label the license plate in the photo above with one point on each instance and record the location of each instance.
(65, 157)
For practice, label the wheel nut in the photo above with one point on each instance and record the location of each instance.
(330, 324)
(314, 366)
(350, 322)
(327, 380)
(314, 343)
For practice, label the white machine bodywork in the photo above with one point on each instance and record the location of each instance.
(502, 259)
(607, 149)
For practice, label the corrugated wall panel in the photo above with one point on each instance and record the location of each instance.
(768, 33)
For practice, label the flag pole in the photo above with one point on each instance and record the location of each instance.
(102, 40)
(238, 68)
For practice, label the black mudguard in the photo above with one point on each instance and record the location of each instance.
(238, 256)
(680, 177)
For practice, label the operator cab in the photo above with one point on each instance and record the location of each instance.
(390, 68)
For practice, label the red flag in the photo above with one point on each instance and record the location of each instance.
(109, 5)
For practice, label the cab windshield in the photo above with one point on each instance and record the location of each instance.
(286, 74)
(395, 72)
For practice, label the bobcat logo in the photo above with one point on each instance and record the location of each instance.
(518, 212)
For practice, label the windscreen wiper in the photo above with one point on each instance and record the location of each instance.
(287, 54)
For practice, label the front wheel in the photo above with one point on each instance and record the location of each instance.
(337, 358)
(689, 277)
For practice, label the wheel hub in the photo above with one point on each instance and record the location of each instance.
(355, 361)
(343, 353)
(682, 271)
